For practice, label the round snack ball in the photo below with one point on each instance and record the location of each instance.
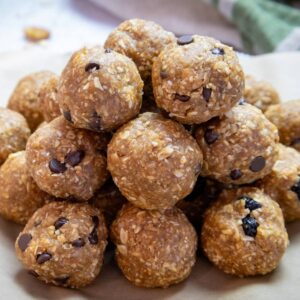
(47, 98)
(109, 200)
(260, 93)
(24, 98)
(243, 233)
(63, 244)
(142, 41)
(14, 133)
(283, 183)
(286, 117)
(99, 89)
(240, 147)
(65, 161)
(20, 196)
(154, 248)
(198, 79)
(154, 161)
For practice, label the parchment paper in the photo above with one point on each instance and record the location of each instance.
(206, 282)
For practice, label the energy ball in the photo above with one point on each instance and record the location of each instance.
(283, 183)
(154, 161)
(99, 89)
(109, 200)
(24, 98)
(243, 233)
(142, 41)
(198, 79)
(20, 196)
(47, 98)
(286, 117)
(14, 133)
(154, 248)
(65, 161)
(240, 147)
(260, 93)
(63, 244)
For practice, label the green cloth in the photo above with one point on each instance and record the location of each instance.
(264, 25)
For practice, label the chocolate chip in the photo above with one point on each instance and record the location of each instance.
(206, 93)
(108, 50)
(183, 98)
(295, 141)
(257, 164)
(163, 74)
(33, 273)
(60, 222)
(43, 257)
(250, 226)
(218, 51)
(250, 203)
(62, 280)
(56, 166)
(93, 237)
(24, 241)
(74, 158)
(184, 40)
(236, 174)
(95, 123)
(90, 67)
(296, 188)
(78, 243)
(67, 116)
(210, 136)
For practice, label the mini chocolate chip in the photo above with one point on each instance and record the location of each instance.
(236, 174)
(24, 241)
(93, 237)
(295, 141)
(74, 158)
(210, 136)
(33, 273)
(56, 166)
(90, 67)
(241, 101)
(296, 188)
(250, 203)
(78, 243)
(60, 222)
(184, 40)
(206, 93)
(43, 257)
(108, 50)
(163, 74)
(67, 116)
(250, 226)
(62, 280)
(182, 98)
(257, 164)
(95, 123)
(218, 51)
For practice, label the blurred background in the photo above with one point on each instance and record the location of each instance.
(251, 26)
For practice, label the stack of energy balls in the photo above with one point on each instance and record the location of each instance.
(201, 160)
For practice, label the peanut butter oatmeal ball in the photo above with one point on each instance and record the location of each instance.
(142, 41)
(109, 200)
(240, 147)
(20, 196)
(243, 233)
(286, 117)
(99, 89)
(63, 244)
(47, 98)
(14, 133)
(65, 161)
(154, 161)
(198, 79)
(283, 183)
(260, 93)
(154, 248)
(24, 98)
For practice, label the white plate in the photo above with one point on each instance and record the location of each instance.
(205, 282)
